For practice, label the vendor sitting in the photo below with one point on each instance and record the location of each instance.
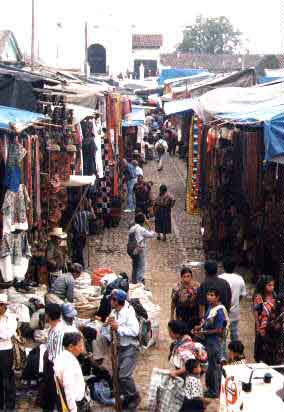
(56, 253)
(63, 287)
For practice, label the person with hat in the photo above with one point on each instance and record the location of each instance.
(63, 287)
(69, 314)
(56, 253)
(8, 328)
(124, 324)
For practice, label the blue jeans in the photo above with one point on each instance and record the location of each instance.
(138, 268)
(130, 194)
(213, 374)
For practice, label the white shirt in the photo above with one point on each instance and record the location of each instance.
(8, 328)
(69, 373)
(139, 171)
(238, 288)
(141, 234)
(162, 142)
(128, 329)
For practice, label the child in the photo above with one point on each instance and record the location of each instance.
(236, 353)
(193, 400)
(213, 328)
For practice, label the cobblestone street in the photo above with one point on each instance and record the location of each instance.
(164, 260)
(163, 263)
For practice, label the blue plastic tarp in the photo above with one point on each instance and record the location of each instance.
(176, 73)
(19, 119)
(134, 118)
(274, 137)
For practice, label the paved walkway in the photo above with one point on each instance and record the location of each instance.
(164, 260)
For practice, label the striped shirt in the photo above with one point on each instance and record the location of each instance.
(82, 222)
(54, 341)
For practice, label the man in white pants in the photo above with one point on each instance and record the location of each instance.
(161, 148)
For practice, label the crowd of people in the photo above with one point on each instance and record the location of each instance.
(203, 325)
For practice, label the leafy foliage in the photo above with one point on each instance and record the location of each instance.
(214, 35)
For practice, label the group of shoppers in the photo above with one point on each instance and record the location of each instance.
(202, 317)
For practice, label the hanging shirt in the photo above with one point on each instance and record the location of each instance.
(8, 328)
(69, 373)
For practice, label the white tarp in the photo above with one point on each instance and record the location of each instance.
(80, 112)
(238, 103)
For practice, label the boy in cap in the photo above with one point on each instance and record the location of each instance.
(8, 328)
(124, 323)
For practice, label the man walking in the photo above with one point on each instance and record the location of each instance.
(129, 171)
(161, 148)
(238, 289)
(136, 247)
(8, 327)
(123, 322)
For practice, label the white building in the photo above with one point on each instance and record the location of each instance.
(116, 50)
(146, 52)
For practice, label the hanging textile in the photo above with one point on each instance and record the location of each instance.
(15, 209)
(16, 153)
(195, 134)
(28, 175)
(37, 183)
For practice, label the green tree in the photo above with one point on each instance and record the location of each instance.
(214, 35)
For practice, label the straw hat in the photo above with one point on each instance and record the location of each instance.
(58, 232)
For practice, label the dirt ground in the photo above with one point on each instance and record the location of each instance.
(164, 260)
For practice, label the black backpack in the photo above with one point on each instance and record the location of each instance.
(161, 149)
(132, 244)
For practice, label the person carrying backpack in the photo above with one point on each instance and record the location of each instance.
(136, 247)
(161, 148)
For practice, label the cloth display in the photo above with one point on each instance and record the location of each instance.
(165, 393)
(15, 253)
(14, 210)
(16, 153)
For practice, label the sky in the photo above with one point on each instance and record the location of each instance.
(259, 22)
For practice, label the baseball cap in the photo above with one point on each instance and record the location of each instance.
(119, 294)
(68, 310)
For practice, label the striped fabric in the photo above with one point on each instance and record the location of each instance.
(54, 341)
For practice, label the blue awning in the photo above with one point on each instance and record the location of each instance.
(175, 73)
(18, 119)
(134, 118)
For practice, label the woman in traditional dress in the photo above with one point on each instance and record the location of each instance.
(184, 304)
(264, 311)
(163, 208)
(182, 348)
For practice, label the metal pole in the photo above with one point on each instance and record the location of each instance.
(86, 50)
(33, 36)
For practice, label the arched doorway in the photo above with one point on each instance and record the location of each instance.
(97, 59)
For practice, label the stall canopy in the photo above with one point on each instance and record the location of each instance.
(134, 118)
(18, 119)
(252, 105)
(167, 74)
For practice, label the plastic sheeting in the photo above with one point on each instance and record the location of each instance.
(254, 105)
(176, 73)
(134, 118)
(19, 119)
